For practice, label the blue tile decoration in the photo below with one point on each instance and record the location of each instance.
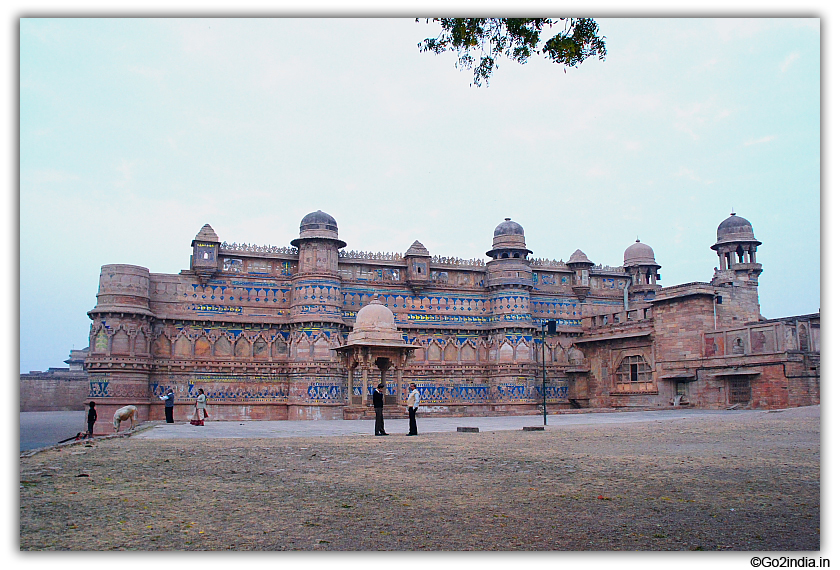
(98, 389)
(326, 393)
(552, 393)
(207, 309)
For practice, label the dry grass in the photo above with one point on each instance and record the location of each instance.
(706, 484)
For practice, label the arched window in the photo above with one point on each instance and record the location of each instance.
(803, 338)
(634, 374)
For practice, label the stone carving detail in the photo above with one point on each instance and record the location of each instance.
(457, 261)
(543, 262)
(250, 248)
(608, 268)
(380, 256)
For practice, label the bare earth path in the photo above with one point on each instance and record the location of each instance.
(711, 482)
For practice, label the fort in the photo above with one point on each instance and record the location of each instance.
(305, 332)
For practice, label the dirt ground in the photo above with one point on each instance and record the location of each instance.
(701, 484)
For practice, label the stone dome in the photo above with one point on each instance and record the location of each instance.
(375, 316)
(318, 220)
(318, 225)
(375, 325)
(508, 228)
(735, 229)
(639, 254)
(508, 235)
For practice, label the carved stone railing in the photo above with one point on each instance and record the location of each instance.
(441, 260)
(379, 256)
(387, 256)
(543, 262)
(252, 248)
(608, 268)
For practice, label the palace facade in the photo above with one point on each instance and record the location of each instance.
(305, 332)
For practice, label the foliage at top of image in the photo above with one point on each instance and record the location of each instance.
(517, 39)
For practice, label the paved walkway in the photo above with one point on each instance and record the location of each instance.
(314, 428)
(42, 429)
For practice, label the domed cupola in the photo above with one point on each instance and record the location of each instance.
(509, 266)
(375, 316)
(736, 277)
(508, 241)
(318, 225)
(639, 254)
(736, 245)
(316, 292)
(640, 264)
(509, 277)
(581, 265)
(375, 323)
(735, 229)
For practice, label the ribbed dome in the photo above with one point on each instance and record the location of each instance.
(508, 228)
(639, 254)
(735, 229)
(318, 220)
(508, 235)
(318, 225)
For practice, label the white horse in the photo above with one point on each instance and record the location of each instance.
(124, 414)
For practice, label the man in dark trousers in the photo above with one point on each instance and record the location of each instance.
(378, 403)
(169, 405)
(412, 403)
(91, 418)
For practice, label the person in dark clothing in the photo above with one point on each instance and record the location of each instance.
(169, 405)
(413, 403)
(91, 418)
(378, 403)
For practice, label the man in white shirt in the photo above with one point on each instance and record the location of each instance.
(413, 403)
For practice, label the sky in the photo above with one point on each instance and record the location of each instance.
(134, 133)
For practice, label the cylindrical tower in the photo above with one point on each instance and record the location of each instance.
(736, 278)
(316, 295)
(119, 359)
(509, 276)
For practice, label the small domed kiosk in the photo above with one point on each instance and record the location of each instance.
(374, 342)
(736, 244)
(640, 264)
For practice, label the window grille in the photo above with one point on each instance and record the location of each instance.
(634, 369)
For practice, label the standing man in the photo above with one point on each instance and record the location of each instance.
(169, 405)
(413, 402)
(91, 418)
(378, 403)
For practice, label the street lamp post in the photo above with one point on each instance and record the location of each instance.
(545, 409)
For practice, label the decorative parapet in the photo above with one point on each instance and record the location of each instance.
(251, 248)
(543, 262)
(457, 261)
(388, 256)
(379, 256)
(607, 268)
(344, 254)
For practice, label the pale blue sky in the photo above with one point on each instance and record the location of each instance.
(136, 132)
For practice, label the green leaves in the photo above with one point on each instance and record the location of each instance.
(515, 38)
